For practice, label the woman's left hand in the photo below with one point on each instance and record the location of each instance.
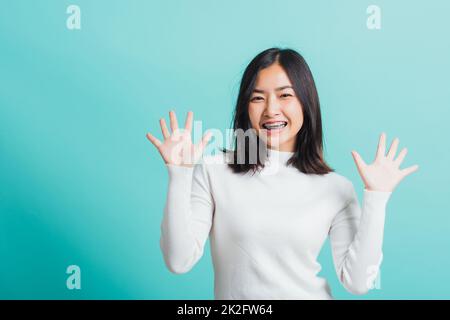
(384, 173)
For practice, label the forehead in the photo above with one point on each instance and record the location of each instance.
(272, 77)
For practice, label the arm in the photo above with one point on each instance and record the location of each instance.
(188, 211)
(357, 235)
(356, 238)
(187, 217)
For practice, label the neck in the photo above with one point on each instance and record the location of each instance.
(279, 156)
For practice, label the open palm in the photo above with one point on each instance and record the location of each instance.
(384, 174)
(177, 148)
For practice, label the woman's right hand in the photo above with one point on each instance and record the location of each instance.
(177, 148)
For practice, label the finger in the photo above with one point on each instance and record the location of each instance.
(409, 170)
(358, 160)
(154, 140)
(398, 161)
(164, 130)
(173, 121)
(188, 123)
(205, 140)
(393, 149)
(198, 148)
(381, 146)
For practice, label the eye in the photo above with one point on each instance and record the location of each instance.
(256, 98)
(285, 95)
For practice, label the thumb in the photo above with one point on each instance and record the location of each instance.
(358, 160)
(205, 140)
(198, 148)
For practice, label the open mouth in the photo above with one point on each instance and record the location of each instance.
(274, 128)
(275, 125)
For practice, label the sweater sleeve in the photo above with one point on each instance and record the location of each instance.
(187, 217)
(356, 238)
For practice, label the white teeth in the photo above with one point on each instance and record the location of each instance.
(274, 125)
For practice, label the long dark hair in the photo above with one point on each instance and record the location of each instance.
(308, 155)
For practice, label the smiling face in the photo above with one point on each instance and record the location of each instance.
(275, 111)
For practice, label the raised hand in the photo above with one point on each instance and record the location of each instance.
(177, 148)
(384, 173)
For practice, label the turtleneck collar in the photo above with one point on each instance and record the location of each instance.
(279, 156)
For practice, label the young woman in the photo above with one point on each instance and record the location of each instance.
(266, 229)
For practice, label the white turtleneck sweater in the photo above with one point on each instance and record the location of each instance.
(267, 229)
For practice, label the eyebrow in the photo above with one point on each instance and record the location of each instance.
(276, 89)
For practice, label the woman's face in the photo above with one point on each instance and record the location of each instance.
(273, 102)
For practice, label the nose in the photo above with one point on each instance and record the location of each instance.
(272, 108)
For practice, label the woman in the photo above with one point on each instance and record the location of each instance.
(268, 207)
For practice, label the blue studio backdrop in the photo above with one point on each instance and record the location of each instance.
(82, 190)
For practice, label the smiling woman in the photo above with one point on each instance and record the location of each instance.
(278, 99)
(267, 228)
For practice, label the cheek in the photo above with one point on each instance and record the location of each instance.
(254, 114)
(295, 115)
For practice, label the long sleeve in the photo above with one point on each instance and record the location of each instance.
(187, 217)
(356, 238)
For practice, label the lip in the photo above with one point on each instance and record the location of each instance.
(274, 131)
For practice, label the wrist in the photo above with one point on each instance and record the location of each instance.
(180, 165)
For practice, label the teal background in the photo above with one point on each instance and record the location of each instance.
(81, 184)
